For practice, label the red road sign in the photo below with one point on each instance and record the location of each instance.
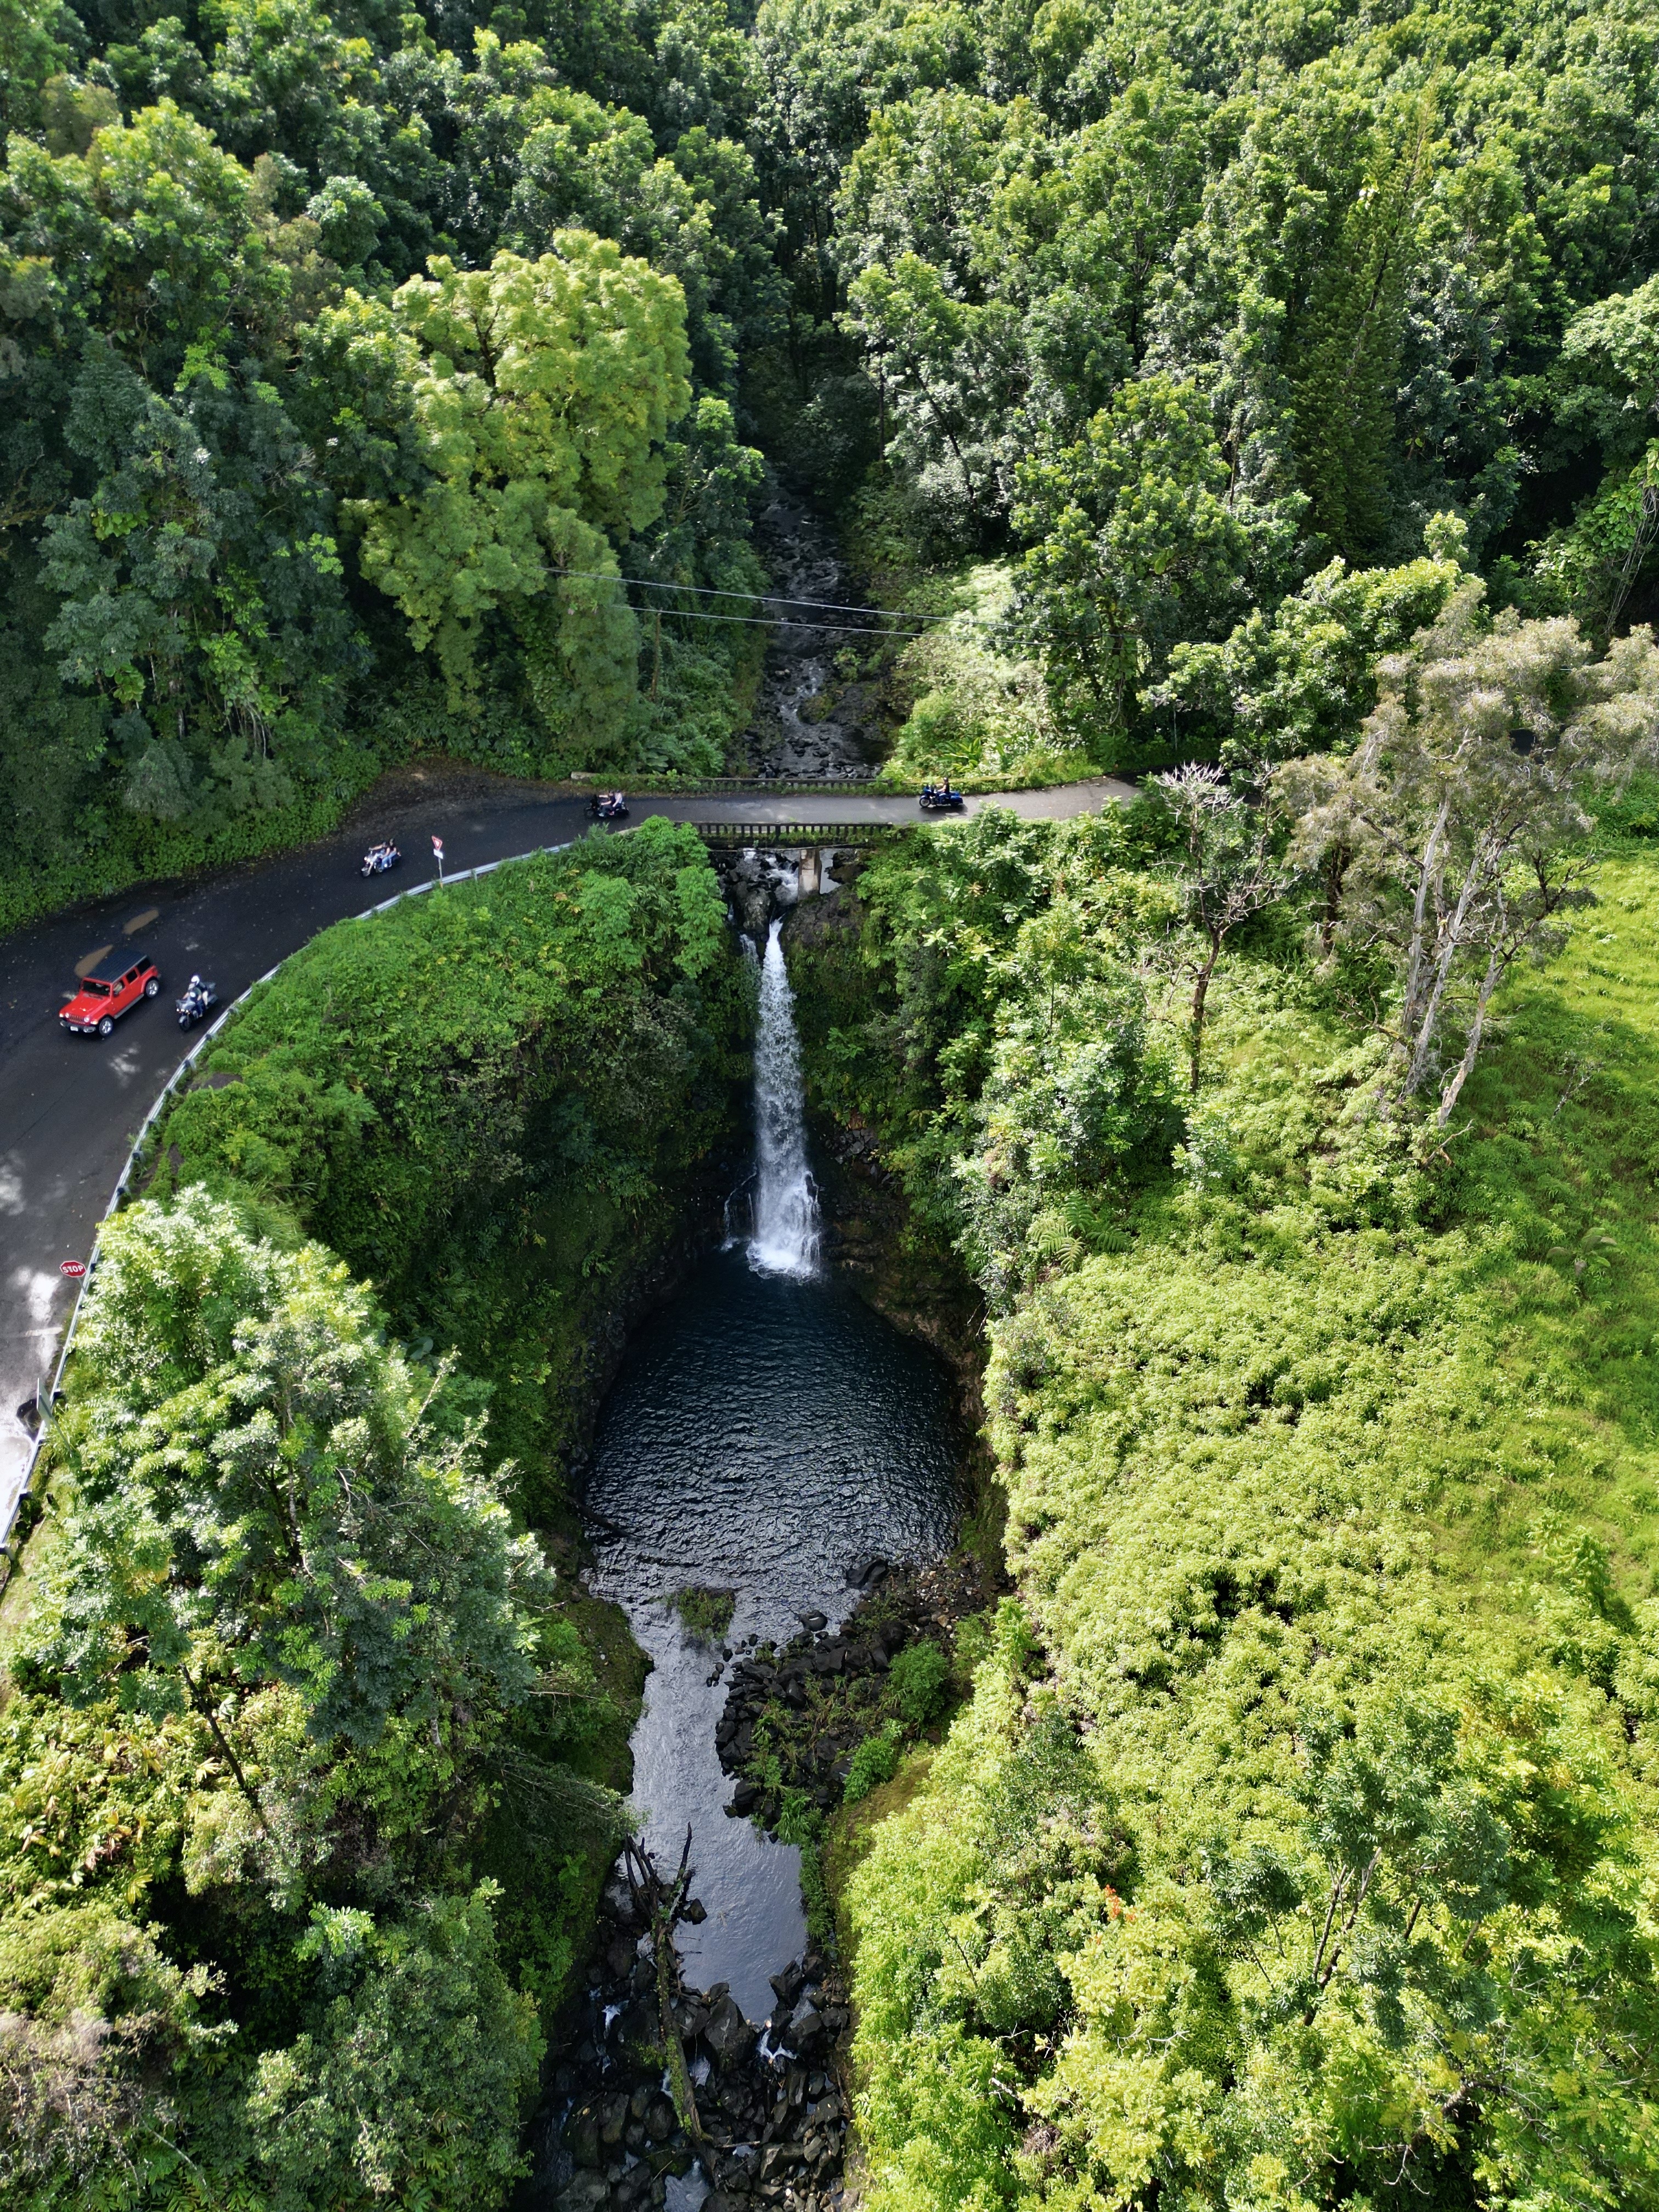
(438, 847)
(73, 1268)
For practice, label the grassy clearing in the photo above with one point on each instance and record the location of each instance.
(1564, 1164)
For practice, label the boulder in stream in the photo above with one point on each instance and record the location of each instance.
(728, 2034)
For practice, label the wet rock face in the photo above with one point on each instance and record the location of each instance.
(728, 2034)
(760, 883)
(772, 2100)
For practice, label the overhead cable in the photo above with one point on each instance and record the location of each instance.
(771, 622)
(766, 598)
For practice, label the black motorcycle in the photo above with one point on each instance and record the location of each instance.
(197, 1003)
(607, 806)
(940, 799)
(379, 858)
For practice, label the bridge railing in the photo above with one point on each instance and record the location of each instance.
(759, 787)
(798, 833)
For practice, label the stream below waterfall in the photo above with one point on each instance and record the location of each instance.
(771, 1437)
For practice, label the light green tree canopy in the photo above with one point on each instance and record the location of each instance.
(412, 2069)
(275, 1665)
(266, 1523)
(146, 235)
(542, 391)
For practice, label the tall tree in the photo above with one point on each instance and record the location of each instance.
(1135, 547)
(1227, 870)
(1462, 818)
(1348, 355)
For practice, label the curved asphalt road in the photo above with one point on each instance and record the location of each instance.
(70, 1107)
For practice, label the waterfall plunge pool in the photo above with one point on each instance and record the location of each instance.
(770, 1435)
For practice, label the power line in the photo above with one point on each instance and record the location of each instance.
(766, 598)
(770, 621)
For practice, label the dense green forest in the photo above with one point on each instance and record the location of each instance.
(1262, 393)
(354, 358)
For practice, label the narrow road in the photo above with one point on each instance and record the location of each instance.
(70, 1107)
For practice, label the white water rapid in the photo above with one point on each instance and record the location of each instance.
(786, 1232)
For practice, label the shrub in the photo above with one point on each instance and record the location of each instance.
(875, 1761)
(916, 1683)
(706, 1612)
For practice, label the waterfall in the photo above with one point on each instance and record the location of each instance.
(786, 1236)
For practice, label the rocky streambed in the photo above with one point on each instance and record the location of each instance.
(816, 715)
(771, 2099)
(797, 1718)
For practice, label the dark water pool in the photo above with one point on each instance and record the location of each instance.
(766, 1435)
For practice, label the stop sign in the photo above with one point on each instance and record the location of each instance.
(73, 1268)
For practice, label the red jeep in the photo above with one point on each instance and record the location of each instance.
(113, 986)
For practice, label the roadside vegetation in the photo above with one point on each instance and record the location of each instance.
(310, 1758)
(497, 1104)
